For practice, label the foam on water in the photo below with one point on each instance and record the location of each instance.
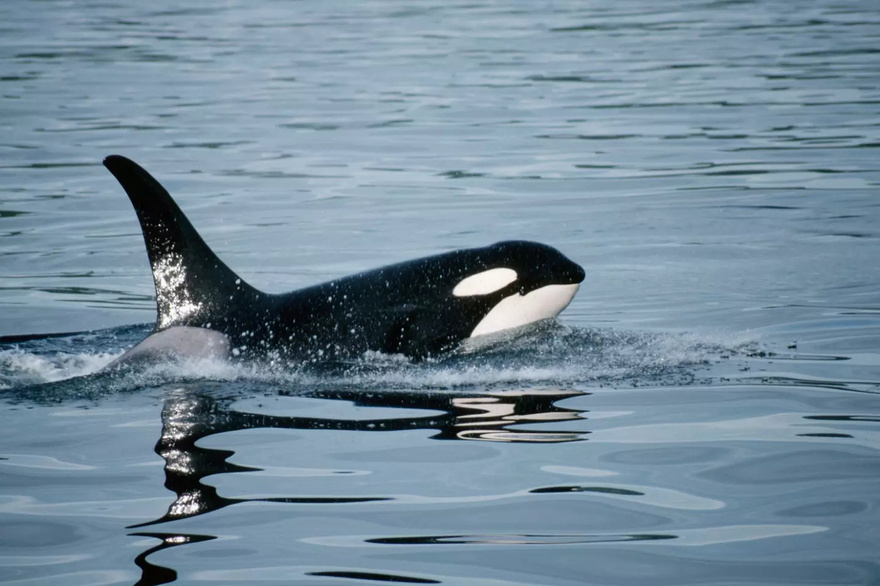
(19, 367)
(549, 355)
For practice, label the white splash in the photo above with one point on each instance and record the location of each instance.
(28, 368)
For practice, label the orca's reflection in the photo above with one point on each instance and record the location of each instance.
(190, 417)
(187, 417)
(151, 574)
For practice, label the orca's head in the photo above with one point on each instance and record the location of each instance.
(519, 283)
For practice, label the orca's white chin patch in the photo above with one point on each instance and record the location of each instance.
(519, 310)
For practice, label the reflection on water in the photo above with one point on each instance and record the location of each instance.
(375, 577)
(152, 574)
(188, 417)
(518, 539)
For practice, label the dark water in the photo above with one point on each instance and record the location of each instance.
(705, 412)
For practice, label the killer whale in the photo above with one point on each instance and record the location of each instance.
(419, 308)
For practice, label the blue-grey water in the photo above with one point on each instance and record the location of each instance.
(705, 412)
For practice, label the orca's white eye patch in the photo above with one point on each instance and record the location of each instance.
(485, 282)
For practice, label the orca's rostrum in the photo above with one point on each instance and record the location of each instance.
(418, 308)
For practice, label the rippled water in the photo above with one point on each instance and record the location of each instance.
(705, 412)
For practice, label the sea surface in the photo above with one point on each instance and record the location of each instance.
(706, 411)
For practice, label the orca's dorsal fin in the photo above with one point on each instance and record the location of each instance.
(193, 286)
